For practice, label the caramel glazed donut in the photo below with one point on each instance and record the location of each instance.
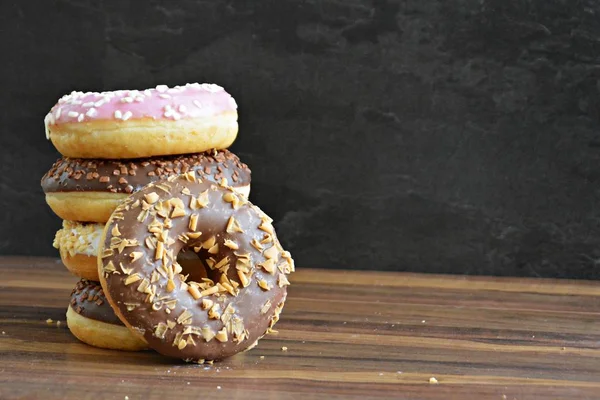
(183, 316)
(90, 190)
(131, 123)
(91, 320)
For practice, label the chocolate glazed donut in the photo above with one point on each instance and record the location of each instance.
(87, 299)
(91, 319)
(205, 319)
(89, 189)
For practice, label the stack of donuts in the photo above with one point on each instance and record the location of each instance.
(157, 224)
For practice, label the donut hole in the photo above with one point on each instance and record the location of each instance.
(192, 265)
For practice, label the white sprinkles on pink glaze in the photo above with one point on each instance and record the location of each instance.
(192, 100)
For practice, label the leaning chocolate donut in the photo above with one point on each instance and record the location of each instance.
(211, 318)
(91, 319)
(89, 190)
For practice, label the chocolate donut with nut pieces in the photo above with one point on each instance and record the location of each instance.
(92, 320)
(89, 190)
(205, 319)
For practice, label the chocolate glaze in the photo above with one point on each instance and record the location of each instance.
(88, 299)
(136, 274)
(127, 176)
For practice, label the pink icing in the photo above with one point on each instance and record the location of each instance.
(192, 100)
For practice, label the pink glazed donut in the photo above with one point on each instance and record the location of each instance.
(142, 123)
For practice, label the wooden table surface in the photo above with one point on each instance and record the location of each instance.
(348, 335)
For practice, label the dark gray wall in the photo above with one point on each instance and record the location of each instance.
(453, 136)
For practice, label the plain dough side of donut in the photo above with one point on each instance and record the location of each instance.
(95, 206)
(84, 206)
(144, 137)
(101, 334)
(81, 265)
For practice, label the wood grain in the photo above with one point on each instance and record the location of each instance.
(349, 335)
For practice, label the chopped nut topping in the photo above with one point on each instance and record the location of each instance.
(227, 313)
(107, 253)
(193, 222)
(131, 306)
(142, 216)
(126, 271)
(171, 304)
(233, 226)
(221, 264)
(282, 280)
(177, 338)
(193, 290)
(135, 255)
(185, 318)
(266, 239)
(171, 324)
(177, 212)
(151, 197)
(202, 200)
(214, 249)
(243, 278)
(230, 197)
(160, 330)
(155, 277)
(206, 304)
(215, 311)
(143, 285)
(228, 287)
(150, 242)
(256, 244)
(264, 285)
(267, 227)
(268, 265)
(210, 242)
(209, 291)
(109, 267)
(170, 286)
(271, 252)
(242, 266)
(177, 268)
(181, 345)
(242, 256)
(115, 230)
(221, 336)
(194, 235)
(231, 244)
(176, 202)
(190, 177)
(164, 188)
(207, 333)
(159, 251)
